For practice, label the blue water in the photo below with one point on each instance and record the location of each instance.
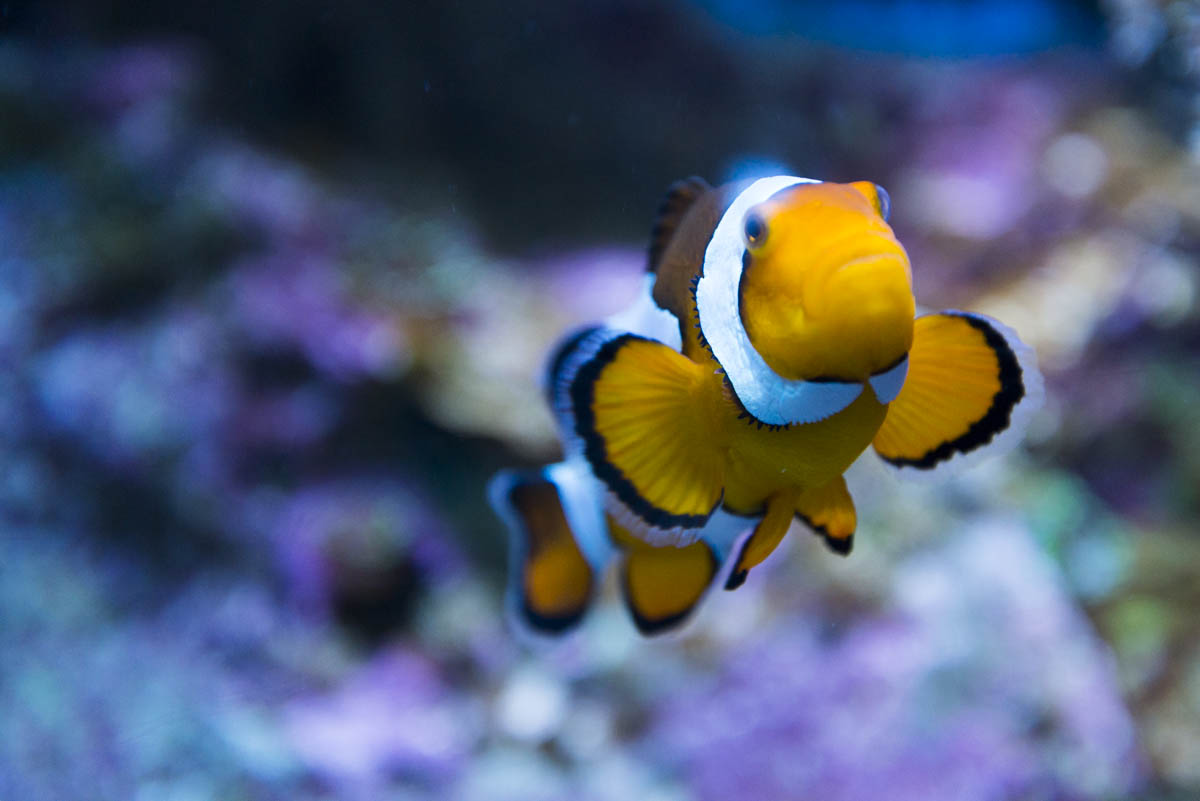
(943, 28)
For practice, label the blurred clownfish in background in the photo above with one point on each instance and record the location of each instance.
(776, 340)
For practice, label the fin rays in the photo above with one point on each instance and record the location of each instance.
(971, 387)
(633, 410)
(654, 408)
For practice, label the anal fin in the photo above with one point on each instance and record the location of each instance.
(763, 540)
(829, 512)
(662, 586)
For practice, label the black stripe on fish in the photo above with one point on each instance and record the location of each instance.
(694, 286)
(746, 415)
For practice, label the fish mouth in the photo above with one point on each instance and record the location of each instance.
(872, 271)
(869, 264)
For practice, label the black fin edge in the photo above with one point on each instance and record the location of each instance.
(651, 627)
(839, 545)
(549, 625)
(746, 415)
(556, 625)
(999, 414)
(582, 393)
(561, 357)
(738, 577)
(842, 546)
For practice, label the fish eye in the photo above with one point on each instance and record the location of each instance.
(885, 202)
(756, 230)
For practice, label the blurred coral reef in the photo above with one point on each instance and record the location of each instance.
(255, 384)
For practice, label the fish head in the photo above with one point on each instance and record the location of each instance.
(826, 288)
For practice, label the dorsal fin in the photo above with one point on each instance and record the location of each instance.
(679, 198)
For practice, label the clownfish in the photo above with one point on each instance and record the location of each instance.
(776, 340)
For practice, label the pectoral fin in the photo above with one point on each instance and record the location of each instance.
(637, 413)
(829, 512)
(763, 540)
(971, 387)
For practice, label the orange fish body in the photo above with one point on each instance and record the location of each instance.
(775, 343)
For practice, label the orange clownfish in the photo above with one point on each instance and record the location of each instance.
(776, 340)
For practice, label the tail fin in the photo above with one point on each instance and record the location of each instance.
(557, 545)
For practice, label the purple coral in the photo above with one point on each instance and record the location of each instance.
(984, 683)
